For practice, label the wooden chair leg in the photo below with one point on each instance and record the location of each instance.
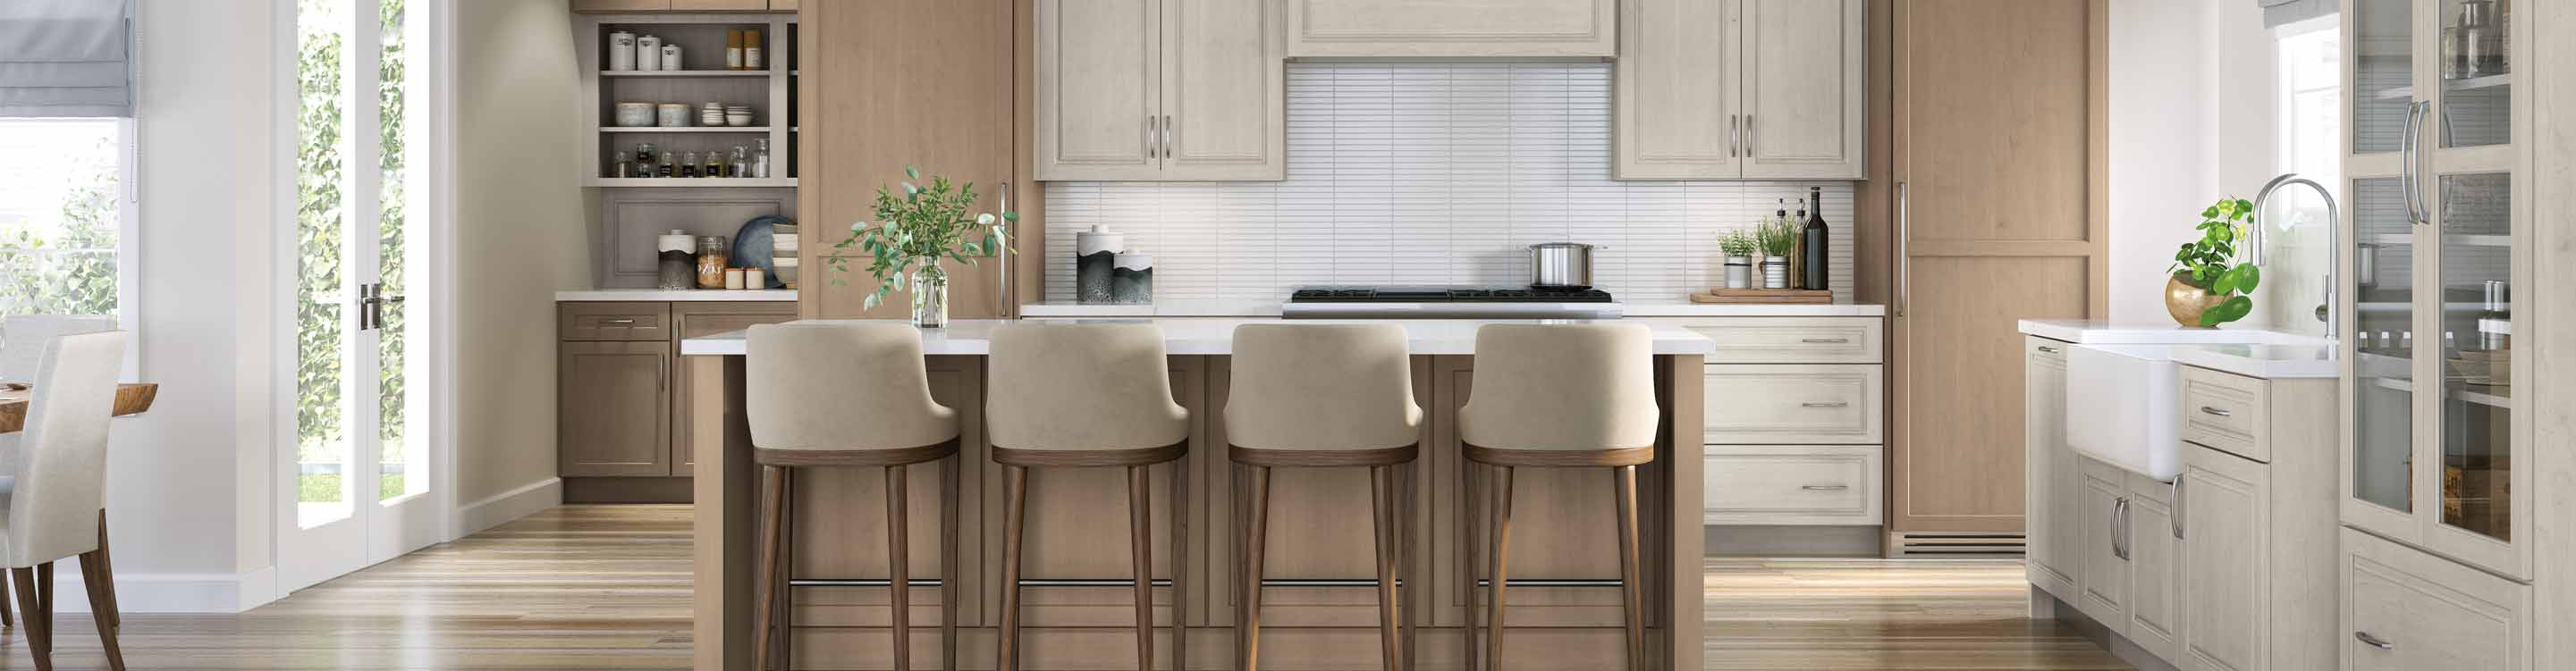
(1382, 526)
(1406, 596)
(39, 645)
(1468, 506)
(1140, 543)
(1015, 485)
(96, 577)
(765, 599)
(949, 577)
(1255, 536)
(899, 564)
(106, 567)
(1499, 556)
(5, 619)
(1180, 564)
(1632, 587)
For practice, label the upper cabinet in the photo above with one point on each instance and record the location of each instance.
(1756, 89)
(683, 5)
(1160, 90)
(1452, 28)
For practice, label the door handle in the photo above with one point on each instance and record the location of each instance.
(1825, 404)
(2408, 179)
(1904, 284)
(1825, 488)
(2206, 410)
(1825, 341)
(2373, 641)
(2178, 511)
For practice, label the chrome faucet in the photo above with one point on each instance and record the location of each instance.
(2334, 242)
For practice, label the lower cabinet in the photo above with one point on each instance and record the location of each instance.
(2155, 567)
(2102, 559)
(2053, 487)
(2405, 609)
(615, 400)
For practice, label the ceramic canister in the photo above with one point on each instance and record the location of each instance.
(1132, 281)
(634, 115)
(621, 51)
(1095, 254)
(648, 53)
(674, 115)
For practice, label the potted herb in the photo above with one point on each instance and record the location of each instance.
(2210, 285)
(1778, 237)
(914, 233)
(1738, 246)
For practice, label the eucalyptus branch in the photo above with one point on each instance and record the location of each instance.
(916, 230)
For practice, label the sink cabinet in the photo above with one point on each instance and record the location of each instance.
(2102, 557)
(2053, 485)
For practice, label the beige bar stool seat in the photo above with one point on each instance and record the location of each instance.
(1088, 395)
(1558, 396)
(1323, 395)
(848, 394)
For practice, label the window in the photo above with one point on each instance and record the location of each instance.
(2311, 105)
(66, 216)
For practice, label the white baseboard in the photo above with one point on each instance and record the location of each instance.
(506, 506)
(168, 592)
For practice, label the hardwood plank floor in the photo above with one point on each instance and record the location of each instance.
(607, 587)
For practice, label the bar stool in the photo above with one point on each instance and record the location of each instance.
(1088, 395)
(1323, 395)
(848, 394)
(1559, 396)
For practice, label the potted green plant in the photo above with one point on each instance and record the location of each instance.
(1778, 238)
(2209, 284)
(1738, 246)
(914, 232)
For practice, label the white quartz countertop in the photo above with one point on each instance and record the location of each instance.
(678, 295)
(2267, 361)
(1270, 308)
(1216, 335)
(2088, 332)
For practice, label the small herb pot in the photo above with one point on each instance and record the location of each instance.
(1775, 272)
(1739, 272)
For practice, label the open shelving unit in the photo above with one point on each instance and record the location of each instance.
(701, 37)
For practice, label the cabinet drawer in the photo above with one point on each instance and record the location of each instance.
(1793, 484)
(2227, 412)
(1794, 404)
(1772, 340)
(613, 321)
(2406, 609)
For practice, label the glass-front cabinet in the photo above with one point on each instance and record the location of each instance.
(2435, 245)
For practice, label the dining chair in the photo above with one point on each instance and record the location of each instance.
(23, 338)
(57, 491)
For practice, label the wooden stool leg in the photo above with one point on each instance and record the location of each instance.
(1382, 525)
(1240, 497)
(1015, 493)
(1180, 564)
(1632, 587)
(1255, 535)
(39, 645)
(1500, 551)
(5, 619)
(899, 564)
(1468, 506)
(1140, 543)
(1406, 596)
(764, 601)
(949, 577)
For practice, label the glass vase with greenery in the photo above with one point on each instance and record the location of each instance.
(914, 232)
(2224, 283)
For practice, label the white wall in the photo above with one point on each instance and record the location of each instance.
(2163, 138)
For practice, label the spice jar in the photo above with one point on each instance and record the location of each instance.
(711, 262)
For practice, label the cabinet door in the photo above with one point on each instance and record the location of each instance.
(1835, 404)
(2155, 568)
(613, 404)
(2053, 482)
(2226, 534)
(1225, 92)
(1099, 79)
(719, 5)
(2406, 609)
(1453, 29)
(1677, 91)
(2103, 572)
(693, 321)
(1802, 73)
(621, 5)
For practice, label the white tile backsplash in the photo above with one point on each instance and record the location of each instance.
(1431, 173)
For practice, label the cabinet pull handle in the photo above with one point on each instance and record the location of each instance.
(1167, 136)
(1825, 341)
(2206, 410)
(2178, 510)
(1750, 136)
(1824, 404)
(2373, 641)
(663, 374)
(2120, 529)
(618, 322)
(1825, 488)
(1904, 284)
(2413, 134)
(1151, 136)
(1734, 135)
(2047, 349)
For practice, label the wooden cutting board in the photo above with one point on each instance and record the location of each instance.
(1764, 296)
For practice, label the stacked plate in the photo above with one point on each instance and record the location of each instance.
(737, 115)
(712, 115)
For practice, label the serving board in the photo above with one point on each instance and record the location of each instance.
(1765, 296)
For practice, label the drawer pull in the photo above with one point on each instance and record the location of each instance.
(2206, 410)
(1824, 404)
(618, 322)
(2048, 349)
(1825, 488)
(1825, 341)
(2373, 641)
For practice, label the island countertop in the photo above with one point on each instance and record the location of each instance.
(1215, 336)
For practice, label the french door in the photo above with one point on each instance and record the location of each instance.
(359, 472)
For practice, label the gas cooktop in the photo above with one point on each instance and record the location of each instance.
(1449, 302)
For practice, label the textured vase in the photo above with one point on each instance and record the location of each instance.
(929, 293)
(2185, 302)
(1739, 272)
(1132, 281)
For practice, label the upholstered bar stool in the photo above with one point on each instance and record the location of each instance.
(1559, 396)
(1323, 395)
(848, 394)
(1088, 395)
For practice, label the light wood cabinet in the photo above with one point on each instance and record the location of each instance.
(613, 401)
(1452, 28)
(2054, 486)
(615, 6)
(2102, 561)
(1160, 90)
(2406, 609)
(2155, 568)
(1793, 484)
(691, 320)
(2226, 515)
(1758, 89)
(1839, 404)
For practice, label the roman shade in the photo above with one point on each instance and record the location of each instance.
(2277, 13)
(66, 58)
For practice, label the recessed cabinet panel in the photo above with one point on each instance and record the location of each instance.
(1677, 91)
(2225, 552)
(2053, 481)
(1098, 83)
(1160, 90)
(2104, 556)
(2405, 609)
(1452, 28)
(613, 409)
(1802, 99)
(1781, 484)
(1225, 100)
(2155, 568)
(1836, 404)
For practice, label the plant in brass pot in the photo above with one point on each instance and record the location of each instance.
(2210, 285)
(915, 232)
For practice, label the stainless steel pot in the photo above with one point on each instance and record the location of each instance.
(1561, 265)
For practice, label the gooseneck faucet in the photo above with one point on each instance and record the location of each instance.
(2334, 241)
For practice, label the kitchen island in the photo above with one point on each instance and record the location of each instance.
(1320, 609)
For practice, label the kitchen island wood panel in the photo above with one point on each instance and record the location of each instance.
(1566, 618)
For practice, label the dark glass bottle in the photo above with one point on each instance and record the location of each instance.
(1812, 243)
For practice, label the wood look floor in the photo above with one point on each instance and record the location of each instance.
(607, 587)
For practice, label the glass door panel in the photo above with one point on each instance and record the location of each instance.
(2383, 335)
(2383, 73)
(400, 452)
(2475, 219)
(2477, 77)
(322, 385)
